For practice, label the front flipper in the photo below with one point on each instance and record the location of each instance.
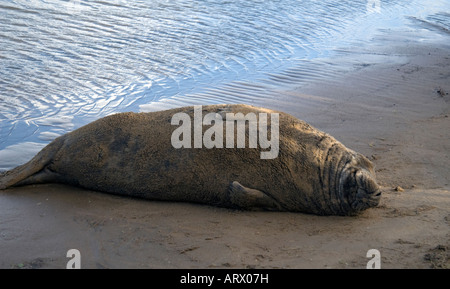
(251, 199)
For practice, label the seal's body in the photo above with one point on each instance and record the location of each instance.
(131, 154)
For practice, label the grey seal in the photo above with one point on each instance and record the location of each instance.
(131, 154)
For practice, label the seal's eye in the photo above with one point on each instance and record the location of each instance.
(350, 185)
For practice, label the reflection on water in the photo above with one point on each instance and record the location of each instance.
(66, 63)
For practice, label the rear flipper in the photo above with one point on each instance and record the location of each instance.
(19, 174)
(247, 198)
(34, 171)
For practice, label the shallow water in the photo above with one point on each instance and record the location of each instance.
(66, 63)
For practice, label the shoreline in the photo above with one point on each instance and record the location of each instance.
(394, 112)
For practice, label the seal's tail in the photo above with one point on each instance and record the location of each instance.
(34, 170)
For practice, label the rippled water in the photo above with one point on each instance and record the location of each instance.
(66, 63)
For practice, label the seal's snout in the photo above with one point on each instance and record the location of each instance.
(368, 192)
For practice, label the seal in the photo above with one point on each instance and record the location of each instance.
(131, 154)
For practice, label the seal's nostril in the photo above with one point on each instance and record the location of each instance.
(377, 195)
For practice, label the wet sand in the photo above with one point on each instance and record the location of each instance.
(394, 108)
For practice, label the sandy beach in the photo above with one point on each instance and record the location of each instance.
(393, 108)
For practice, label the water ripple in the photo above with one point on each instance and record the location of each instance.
(81, 60)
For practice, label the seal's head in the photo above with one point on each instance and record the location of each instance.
(358, 185)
